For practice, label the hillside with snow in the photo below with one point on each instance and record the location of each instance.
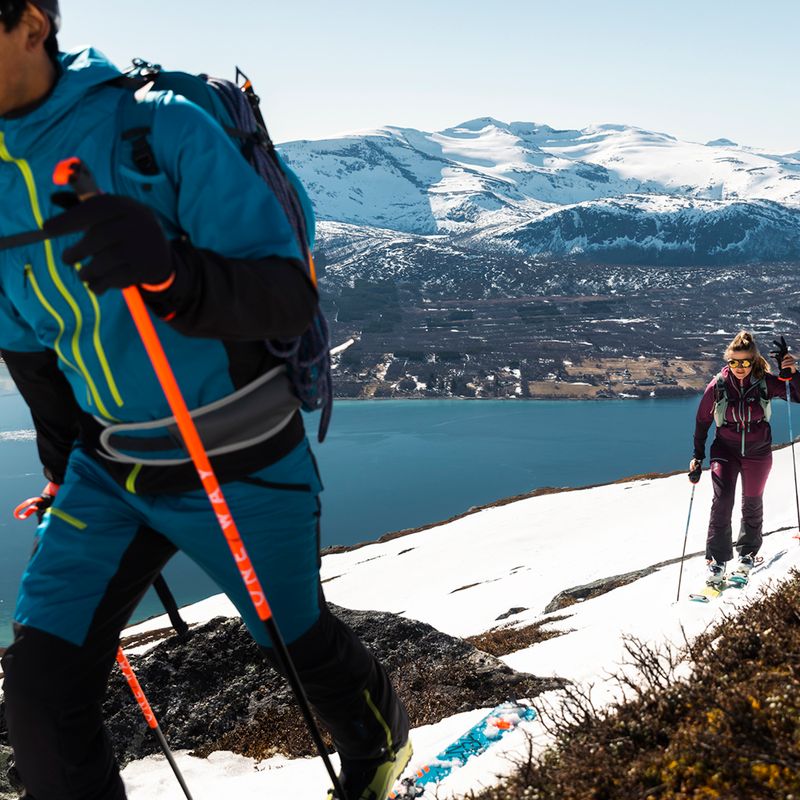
(606, 192)
(609, 558)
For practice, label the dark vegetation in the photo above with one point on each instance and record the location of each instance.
(507, 639)
(730, 731)
(445, 324)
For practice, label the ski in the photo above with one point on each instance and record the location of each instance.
(479, 738)
(708, 593)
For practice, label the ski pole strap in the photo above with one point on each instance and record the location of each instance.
(22, 239)
(69, 171)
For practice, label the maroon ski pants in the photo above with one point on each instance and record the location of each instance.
(726, 466)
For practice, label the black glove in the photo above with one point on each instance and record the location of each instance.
(695, 474)
(779, 353)
(37, 505)
(123, 238)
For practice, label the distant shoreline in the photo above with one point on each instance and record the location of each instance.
(518, 399)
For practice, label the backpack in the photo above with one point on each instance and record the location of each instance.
(721, 400)
(237, 109)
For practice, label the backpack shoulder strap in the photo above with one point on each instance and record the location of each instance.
(721, 400)
(137, 171)
(764, 398)
(136, 127)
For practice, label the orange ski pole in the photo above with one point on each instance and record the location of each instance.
(135, 687)
(73, 172)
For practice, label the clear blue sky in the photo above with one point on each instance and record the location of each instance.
(698, 69)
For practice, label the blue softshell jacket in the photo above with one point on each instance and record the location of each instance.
(232, 231)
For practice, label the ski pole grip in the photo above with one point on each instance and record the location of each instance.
(73, 172)
(27, 508)
(694, 474)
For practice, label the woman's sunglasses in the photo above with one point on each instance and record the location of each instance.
(740, 362)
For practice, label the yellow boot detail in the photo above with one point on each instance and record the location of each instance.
(384, 777)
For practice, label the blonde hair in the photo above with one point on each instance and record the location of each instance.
(744, 341)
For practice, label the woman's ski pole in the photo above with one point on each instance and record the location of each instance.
(694, 477)
(785, 374)
(135, 687)
(74, 173)
(788, 382)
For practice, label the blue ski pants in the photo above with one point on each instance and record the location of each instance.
(99, 550)
(94, 523)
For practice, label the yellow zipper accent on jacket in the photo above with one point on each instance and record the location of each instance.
(27, 175)
(101, 355)
(130, 483)
(61, 329)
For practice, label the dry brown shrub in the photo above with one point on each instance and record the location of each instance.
(729, 732)
(507, 639)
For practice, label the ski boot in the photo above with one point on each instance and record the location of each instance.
(715, 574)
(741, 574)
(372, 780)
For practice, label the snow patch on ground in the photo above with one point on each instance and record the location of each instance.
(463, 575)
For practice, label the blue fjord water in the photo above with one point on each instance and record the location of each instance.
(388, 465)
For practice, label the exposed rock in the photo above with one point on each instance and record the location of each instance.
(7, 792)
(215, 690)
(511, 612)
(578, 594)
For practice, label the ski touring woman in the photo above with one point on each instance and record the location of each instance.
(221, 271)
(738, 401)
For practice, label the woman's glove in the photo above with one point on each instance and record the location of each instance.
(785, 361)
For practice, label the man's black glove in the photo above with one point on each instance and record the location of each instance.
(695, 471)
(123, 238)
(779, 353)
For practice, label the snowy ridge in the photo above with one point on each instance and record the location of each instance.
(612, 190)
(463, 575)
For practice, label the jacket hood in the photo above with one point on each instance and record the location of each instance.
(82, 71)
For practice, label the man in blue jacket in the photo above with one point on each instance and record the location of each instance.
(218, 264)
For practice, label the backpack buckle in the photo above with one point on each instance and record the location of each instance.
(144, 69)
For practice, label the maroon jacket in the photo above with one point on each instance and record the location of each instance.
(745, 429)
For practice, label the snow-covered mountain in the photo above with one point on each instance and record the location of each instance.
(607, 191)
(505, 565)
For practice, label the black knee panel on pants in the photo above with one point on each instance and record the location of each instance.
(348, 688)
(53, 712)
